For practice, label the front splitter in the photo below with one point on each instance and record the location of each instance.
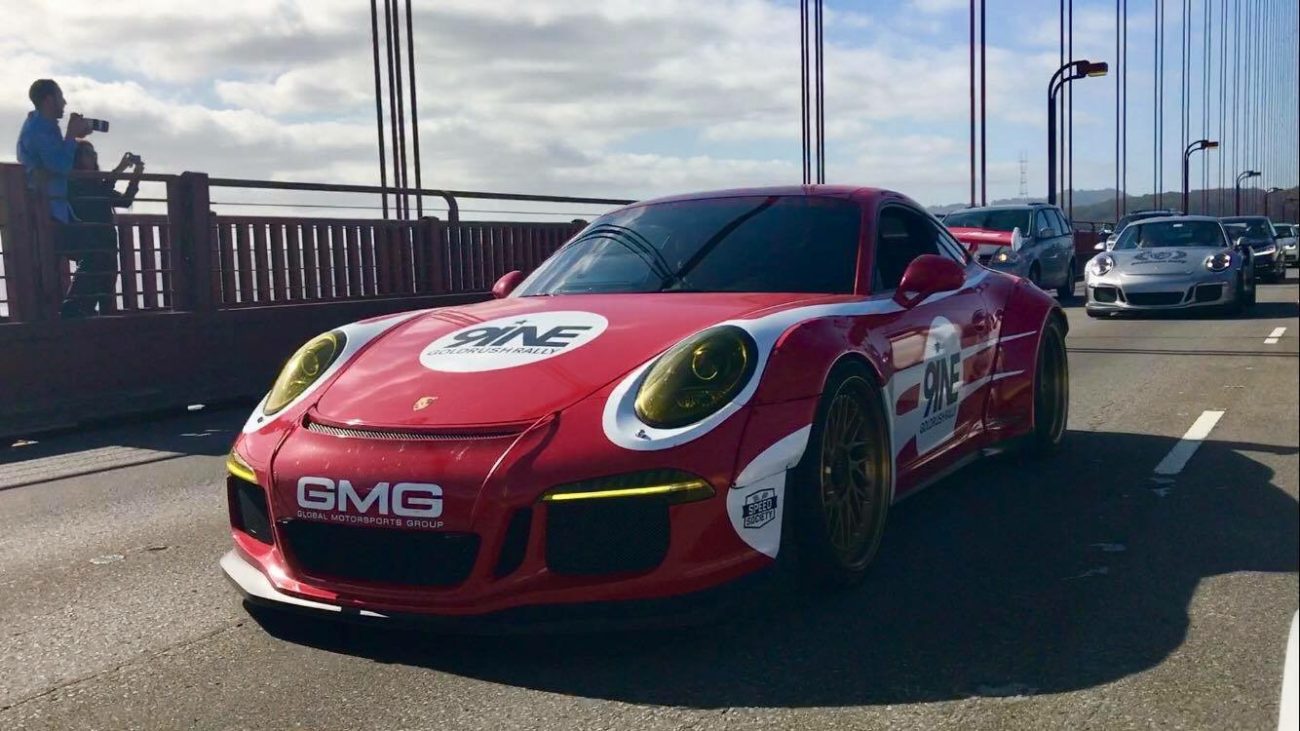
(573, 618)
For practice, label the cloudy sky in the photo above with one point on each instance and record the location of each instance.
(624, 98)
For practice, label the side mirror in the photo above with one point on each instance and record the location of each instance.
(1101, 246)
(928, 274)
(507, 283)
(1240, 243)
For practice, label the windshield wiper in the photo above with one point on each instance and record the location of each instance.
(634, 242)
(708, 246)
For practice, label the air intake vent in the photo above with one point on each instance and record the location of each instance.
(431, 435)
(413, 558)
(516, 542)
(248, 512)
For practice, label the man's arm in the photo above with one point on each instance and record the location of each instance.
(53, 154)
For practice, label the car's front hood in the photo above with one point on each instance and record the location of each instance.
(517, 359)
(1170, 261)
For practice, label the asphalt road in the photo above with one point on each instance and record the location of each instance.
(1084, 592)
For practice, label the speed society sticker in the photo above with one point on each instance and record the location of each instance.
(509, 342)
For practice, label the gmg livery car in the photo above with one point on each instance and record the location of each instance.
(687, 390)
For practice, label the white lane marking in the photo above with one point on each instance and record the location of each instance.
(1289, 718)
(1274, 336)
(1174, 462)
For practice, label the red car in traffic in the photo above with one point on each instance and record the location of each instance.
(690, 388)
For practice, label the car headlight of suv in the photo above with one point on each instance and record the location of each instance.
(1006, 256)
(697, 377)
(1218, 262)
(1266, 250)
(1102, 265)
(303, 368)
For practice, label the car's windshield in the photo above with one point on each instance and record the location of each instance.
(991, 220)
(743, 244)
(1130, 218)
(1252, 228)
(1166, 234)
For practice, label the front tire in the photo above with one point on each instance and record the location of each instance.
(1051, 391)
(841, 489)
(1066, 290)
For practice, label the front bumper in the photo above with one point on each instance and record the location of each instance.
(1267, 265)
(1125, 293)
(500, 564)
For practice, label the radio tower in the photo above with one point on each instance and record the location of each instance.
(1024, 176)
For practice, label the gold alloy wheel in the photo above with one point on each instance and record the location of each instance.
(853, 472)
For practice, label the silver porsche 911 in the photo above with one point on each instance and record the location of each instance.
(1169, 263)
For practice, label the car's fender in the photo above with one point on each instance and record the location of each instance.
(1010, 405)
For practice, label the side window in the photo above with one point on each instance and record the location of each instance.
(901, 236)
(1041, 221)
(948, 245)
(1063, 223)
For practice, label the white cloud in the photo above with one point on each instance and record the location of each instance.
(940, 6)
(540, 96)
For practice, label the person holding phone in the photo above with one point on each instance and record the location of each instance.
(93, 201)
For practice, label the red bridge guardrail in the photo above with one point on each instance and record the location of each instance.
(206, 307)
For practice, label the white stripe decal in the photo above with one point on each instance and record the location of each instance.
(1005, 374)
(623, 427)
(1274, 336)
(1174, 462)
(1009, 338)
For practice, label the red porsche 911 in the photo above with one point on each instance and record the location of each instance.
(690, 390)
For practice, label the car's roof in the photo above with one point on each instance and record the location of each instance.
(1170, 219)
(1005, 207)
(829, 191)
(1243, 219)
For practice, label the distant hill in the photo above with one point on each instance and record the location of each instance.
(1099, 205)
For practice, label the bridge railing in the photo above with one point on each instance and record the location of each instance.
(192, 259)
(205, 307)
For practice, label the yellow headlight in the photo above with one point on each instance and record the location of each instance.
(236, 466)
(303, 369)
(697, 377)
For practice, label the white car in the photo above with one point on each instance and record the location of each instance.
(1288, 242)
(1170, 263)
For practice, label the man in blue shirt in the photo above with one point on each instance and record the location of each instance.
(48, 155)
(45, 153)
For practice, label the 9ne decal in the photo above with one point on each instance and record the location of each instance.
(508, 342)
(940, 385)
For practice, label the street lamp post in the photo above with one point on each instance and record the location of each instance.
(1197, 145)
(1067, 73)
(1267, 193)
(1237, 189)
